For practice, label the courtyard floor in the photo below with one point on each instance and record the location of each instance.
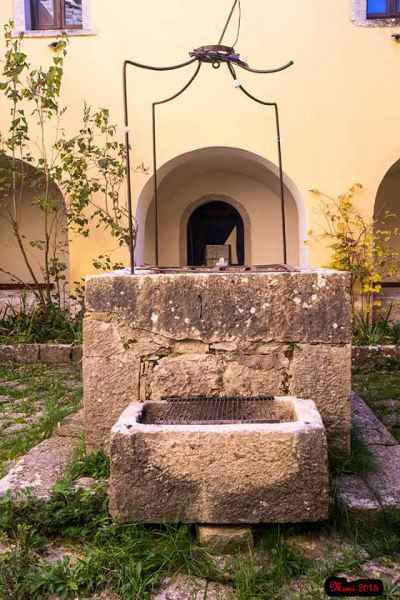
(70, 548)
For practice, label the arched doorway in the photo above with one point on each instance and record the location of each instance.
(246, 181)
(214, 230)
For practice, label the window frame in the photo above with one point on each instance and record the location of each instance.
(392, 11)
(59, 18)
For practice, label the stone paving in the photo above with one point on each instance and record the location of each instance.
(366, 496)
(33, 398)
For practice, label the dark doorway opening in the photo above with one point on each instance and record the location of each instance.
(215, 223)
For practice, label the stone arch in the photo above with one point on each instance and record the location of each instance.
(229, 172)
(14, 273)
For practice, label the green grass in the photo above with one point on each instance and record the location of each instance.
(133, 559)
(361, 461)
(378, 382)
(41, 384)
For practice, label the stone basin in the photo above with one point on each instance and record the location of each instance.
(220, 474)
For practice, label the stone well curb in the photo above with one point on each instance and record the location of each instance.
(52, 354)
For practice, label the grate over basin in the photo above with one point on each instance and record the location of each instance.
(215, 410)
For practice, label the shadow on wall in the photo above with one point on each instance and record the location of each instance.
(245, 181)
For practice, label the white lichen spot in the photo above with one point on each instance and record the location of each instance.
(253, 310)
(154, 318)
(314, 297)
(297, 300)
(266, 305)
(187, 321)
(122, 293)
(335, 326)
(240, 310)
(172, 309)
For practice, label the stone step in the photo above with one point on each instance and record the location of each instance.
(44, 465)
(368, 496)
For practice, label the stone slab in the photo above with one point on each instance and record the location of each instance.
(385, 481)
(370, 429)
(305, 306)
(19, 353)
(210, 474)
(76, 354)
(55, 353)
(40, 469)
(356, 498)
(226, 540)
(322, 373)
(369, 495)
(182, 587)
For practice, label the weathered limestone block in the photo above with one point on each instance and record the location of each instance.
(40, 469)
(305, 306)
(19, 353)
(231, 474)
(323, 373)
(55, 353)
(356, 499)
(226, 539)
(76, 355)
(256, 375)
(187, 375)
(111, 373)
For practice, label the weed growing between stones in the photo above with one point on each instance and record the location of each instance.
(36, 398)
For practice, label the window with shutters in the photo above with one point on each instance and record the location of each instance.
(56, 14)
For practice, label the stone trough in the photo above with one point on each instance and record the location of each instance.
(220, 473)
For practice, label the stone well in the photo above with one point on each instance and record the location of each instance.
(150, 336)
(220, 474)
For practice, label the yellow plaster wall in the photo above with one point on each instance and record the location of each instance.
(339, 103)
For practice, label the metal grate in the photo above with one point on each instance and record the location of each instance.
(213, 410)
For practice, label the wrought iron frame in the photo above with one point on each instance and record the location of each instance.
(216, 63)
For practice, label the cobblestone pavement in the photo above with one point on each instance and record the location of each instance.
(33, 400)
